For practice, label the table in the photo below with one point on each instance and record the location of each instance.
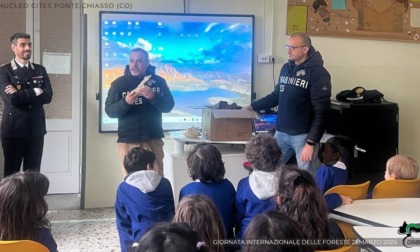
(180, 140)
(175, 165)
(385, 239)
(390, 212)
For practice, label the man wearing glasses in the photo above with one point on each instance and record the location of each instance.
(302, 95)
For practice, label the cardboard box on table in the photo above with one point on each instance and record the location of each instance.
(227, 124)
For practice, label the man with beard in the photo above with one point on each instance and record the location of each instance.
(25, 87)
(302, 96)
(138, 99)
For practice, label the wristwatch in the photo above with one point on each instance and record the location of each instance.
(310, 143)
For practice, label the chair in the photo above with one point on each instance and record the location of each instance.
(341, 249)
(22, 246)
(355, 192)
(397, 189)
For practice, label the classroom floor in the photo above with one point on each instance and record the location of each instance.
(75, 230)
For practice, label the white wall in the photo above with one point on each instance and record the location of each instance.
(391, 67)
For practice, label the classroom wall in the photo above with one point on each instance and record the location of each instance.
(388, 66)
(391, 67)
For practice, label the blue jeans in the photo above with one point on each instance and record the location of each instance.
(292, 144)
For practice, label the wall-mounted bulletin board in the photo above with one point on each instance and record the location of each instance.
(372, 19)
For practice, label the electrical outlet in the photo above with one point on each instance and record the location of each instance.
(264, 59)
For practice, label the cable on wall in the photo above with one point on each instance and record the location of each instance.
(263, 29)
(274, 77)
(274, 80)
(185, 6)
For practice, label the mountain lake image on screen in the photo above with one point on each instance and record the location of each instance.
(203, 58)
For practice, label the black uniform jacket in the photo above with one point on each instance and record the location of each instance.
(23, 114)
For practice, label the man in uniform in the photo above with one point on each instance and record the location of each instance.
(25, 87)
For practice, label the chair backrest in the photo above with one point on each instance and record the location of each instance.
(22, 246)
(343, 248)
(355, 192)
(397, 189)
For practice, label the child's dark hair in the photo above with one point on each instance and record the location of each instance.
(343, 145)
(263, 152)
(137, 159)
(205, 163)
(300, 199)
(169, 237)
(273, 226)
(41, 181)
(22, 205)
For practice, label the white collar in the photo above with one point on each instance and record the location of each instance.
(340, 165)
(14, 64)
(21, 65)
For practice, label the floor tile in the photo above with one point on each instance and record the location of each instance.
(84, 230)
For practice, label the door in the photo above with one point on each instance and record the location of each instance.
(374, 129)
(58, 38)
(55, 34)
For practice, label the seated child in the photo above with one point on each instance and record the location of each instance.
(255, 192)
(170, 237)
(299, 198)
(207, 170)
(335, 156)
(23, 209)
(273, 226)
(200, 213)
(401, 167)
(143, 198)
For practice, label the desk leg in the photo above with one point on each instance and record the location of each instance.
(179, 146)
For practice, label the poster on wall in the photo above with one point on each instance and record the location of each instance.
(372, 19)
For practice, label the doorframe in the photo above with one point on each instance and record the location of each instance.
(75, 122)
(83, 50)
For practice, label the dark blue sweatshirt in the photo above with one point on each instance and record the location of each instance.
(302, 95)
(142, 199)
(142, 120)
(223, 196)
